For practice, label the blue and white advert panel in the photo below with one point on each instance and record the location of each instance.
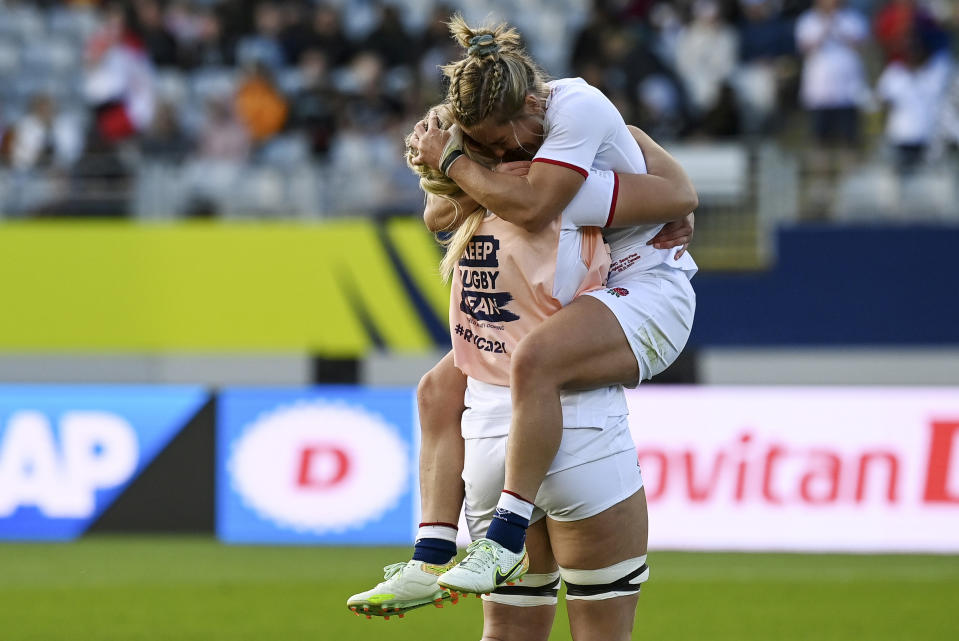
(331, 465)
(68, 452)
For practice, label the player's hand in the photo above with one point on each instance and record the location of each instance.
(678, 233)
(515, 168)
(434, 144)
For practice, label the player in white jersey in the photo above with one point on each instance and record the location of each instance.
(523, 278)
(630, 331)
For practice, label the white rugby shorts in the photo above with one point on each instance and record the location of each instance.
(595, 469)
(655, 308)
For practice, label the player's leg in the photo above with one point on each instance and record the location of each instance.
(413, 584)
(580, 347)
(525, 610)
(439, 399)
(598, 527)
(603, 562)
(619, 335)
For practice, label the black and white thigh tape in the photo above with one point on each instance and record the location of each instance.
(606, 583)
(536, 589)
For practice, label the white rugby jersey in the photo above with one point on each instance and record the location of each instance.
(584, 130)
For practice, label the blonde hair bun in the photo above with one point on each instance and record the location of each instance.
(494, 77)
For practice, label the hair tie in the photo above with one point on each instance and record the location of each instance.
(482, 45)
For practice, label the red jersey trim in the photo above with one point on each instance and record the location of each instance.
(612, 204)
(584, 173)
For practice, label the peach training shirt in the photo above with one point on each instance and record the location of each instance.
(510, 280)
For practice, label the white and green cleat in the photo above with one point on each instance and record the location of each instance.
(407, 586)
(486, 566)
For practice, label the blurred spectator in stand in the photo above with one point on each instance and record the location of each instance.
(223, 137)
(897, 24)
(45, 138)
(264, 45)
(389, 39)
(259, 104)
(158, 41)
(183, 21)
(914, 89)
(665, 19)
(295, 34)
(119, 81)
(328, 36)
(621, 61)
(833, 78)
(214, 174)
(370, 136)
(832, 89)
(165, 140)
(315, 104)
(768, 71)
(660, 107)
(588, 42)
(438, 49)
(369, 107)
(206, 46)
(706, 55)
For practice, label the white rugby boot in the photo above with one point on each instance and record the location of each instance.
(406, 586)
(486, 566)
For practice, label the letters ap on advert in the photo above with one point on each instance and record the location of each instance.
(96, 450)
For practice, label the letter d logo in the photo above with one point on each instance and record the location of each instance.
(322, 466)
(940, 460)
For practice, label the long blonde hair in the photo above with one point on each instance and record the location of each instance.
(494, 77)
(433, 181)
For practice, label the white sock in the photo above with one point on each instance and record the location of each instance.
(516, 505)
(436, 531)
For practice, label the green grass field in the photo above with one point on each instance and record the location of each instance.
(186, 589)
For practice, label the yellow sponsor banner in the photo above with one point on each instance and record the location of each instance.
(327, 288)
(420, 254)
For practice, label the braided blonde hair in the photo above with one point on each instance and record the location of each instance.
(433, 181)
(494, 77)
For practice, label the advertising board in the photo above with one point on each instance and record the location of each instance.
(323, 465)
(67, 452)
(805, 469)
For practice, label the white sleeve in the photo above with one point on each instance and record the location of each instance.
(579, 124)
(594, 203)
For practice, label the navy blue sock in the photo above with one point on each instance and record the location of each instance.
(508, 529)
(436, 551)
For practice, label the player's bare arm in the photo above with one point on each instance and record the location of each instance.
(663, 195)
(448, 213)
(530, 201)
